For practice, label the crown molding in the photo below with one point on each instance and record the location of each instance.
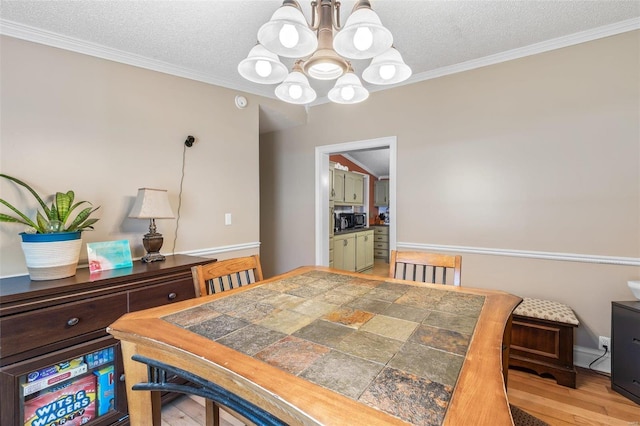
(48, 38)
(521, 52)
(36, 35)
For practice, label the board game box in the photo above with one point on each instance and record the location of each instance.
(72, 404)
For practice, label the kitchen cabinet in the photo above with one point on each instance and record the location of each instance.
(338, 186)
(347, 188)
(54, 337)
(353, 251)
(625, 350)
(344, 252)
(381, 242)
(381, 193)
(364, 250)
(353, 188)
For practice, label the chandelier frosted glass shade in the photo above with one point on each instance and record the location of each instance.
(295, 89)
(323, 49)
(348, 90)
(288, 34)
(262, 66)
(387, 68)
(363, 36)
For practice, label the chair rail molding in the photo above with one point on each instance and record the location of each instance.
(221, 249)
(564, 257)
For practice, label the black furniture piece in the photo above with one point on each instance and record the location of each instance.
(625, 351)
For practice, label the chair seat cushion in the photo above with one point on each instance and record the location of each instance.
(547, 310)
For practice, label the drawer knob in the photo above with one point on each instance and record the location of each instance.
(122, 377)
(73, 321)
(172, 296)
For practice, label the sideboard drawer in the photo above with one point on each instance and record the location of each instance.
(41, 327)
(161, 294)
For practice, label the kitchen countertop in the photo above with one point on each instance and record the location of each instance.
(351, 231)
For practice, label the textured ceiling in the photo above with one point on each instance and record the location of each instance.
(205, 40)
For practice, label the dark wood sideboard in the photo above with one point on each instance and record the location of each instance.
(43, 323)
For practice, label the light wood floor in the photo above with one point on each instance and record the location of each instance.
(591, 403)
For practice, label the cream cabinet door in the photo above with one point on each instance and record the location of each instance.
(344, 252)
(353, 188)
(381, 193)
(364, 250)
(338, 186)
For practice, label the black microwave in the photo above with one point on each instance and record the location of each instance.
(359, 220)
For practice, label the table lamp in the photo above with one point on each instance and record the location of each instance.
(152, 204)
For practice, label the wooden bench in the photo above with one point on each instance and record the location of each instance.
(542, 339)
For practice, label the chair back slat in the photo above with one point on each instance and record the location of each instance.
(225, 275)
(435, 266)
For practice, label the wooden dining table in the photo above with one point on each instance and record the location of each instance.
(319, 346)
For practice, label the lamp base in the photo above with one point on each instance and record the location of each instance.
(152, 257)
(152, 242)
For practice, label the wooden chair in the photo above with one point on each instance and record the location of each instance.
(425, 267)
(224, 275)
(220, 276)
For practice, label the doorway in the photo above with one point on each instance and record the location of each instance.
(322, 189)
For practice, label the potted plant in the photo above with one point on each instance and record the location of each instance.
(52, 245)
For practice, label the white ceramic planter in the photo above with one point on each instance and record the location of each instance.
(635, 288)
(51, 256)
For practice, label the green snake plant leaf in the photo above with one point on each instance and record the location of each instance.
(28, 188)
(63, 205)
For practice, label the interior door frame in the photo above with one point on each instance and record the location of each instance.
(322, 189)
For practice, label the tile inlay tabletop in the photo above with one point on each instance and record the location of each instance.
(322, 346)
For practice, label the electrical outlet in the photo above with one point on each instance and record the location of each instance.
(604, 341)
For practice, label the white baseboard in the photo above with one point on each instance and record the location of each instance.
(583, 356)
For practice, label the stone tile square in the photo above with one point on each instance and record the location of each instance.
(191, 316)
(461, 324)
(282, 286)
(421, 297)
(428, 363)
(286, 321)
(366, 282)
(405, 312)
(314, 308)
(369, 305)
(292, 354)
(369, 346)
(411, 398)
(306, 291)
(218, 327)
(251, 339)
(342, 373)
(440, 338)
(353, 318)
(394, 328)
(259, 292)
(324, 333)
(387, 295)
(283, 301)
(324, 284)
(461, 304)
(304, 279)
(352, 289)
(335, 297)
(254, 312)
(230, 304)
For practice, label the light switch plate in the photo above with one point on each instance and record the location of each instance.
(227, 218)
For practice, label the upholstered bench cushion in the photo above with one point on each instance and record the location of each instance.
(547, 310)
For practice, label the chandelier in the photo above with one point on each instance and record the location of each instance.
(321, 55)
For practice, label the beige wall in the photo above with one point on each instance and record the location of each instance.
(539, 154)
(103, 129)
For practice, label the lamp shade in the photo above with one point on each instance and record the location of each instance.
(262, 66)
(348, 90)
(288, 34)
(387, 68)
(363, 36)
(295, 89)
(151, 204)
